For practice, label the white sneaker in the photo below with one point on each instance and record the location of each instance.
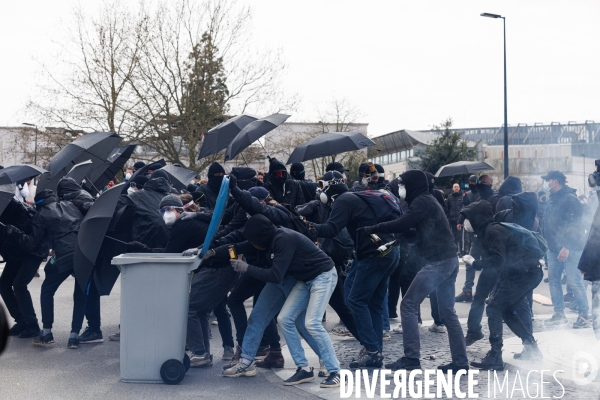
(398, 329)
(437, 328)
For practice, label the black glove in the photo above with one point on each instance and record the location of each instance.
(232, 182)
(137, 247)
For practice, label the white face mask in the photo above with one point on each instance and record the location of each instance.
(402, 192)
(323, 197)
(131, 190)
(169, 217)
(128, 175)
(468, 227)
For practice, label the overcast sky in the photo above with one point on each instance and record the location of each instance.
(404, 64)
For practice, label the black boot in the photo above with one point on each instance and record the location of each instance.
(472, 337)
(530, 352)
(492, 360)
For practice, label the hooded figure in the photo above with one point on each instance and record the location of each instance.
(211, 189)
(510, 187)
(436, 193)
(435, 243)
(368, 177)
(246, 177)
(282, 187)
(519, 273)
(297, 171)
(309, 188)
(381, 182)
(68, 190)
(523, 211)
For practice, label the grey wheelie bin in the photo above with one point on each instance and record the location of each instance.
(155, 290)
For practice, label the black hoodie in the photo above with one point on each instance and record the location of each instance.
(436, 193)
(510, 187)
(434, 237)
(523, 211)
(286, 191)
(503, 248)
(68, 190)
(148, 226)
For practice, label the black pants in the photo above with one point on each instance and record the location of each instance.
(224, 323)
(338, 303)
(395, 285)
(457, 236)
(209, 287)
(17, 274)
(51, 284)
(245, 288)
(510, 303)
(486, 282)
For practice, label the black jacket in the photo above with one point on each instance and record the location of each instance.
(590, 258)
(523, 212)
(209, 198)
(253, 206)
(309, 189)
(510, 187)
(54, 226)
(148, 226)
(562, 221)
(69, 190)
(18, 215)
(502, 247)
(289, 193)
(350, 211)
(289, 253)
(186, 235)
(455, 204)
(434, 237)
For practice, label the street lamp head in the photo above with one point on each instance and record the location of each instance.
(488, 15)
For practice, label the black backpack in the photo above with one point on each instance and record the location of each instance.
(299, 224)
(531, 241)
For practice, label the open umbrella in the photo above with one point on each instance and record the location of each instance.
(252, 132)
(113, 164)
(7, 192)
(81, 170)
(19, 173)
(329, 144)
(91, 236)
(219, 137)
(462, 168)
(180, 177)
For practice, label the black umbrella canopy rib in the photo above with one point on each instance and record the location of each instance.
(219, 137)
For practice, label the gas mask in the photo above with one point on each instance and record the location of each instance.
(327, 194)
(594, 180)
(468, 227)
(169, 217)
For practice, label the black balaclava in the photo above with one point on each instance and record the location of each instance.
(214, 182)
(246, 177)
(479, 214)
(473, 186)
(67, 186)
(525, 207)
(259, 231)
(44, 197)
(276, 166)
(430, 181)
(297, 171)
(416, 184)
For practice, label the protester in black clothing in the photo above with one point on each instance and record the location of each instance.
(19, 269)
(473, 194)
(518, 273)
(68, 190)
(381, 181)
(436, 193)
(436, 245)
(309, 188)
(455, 204)
(510, 187)
(589, 263)
(138, 165)
(55, 225)
(336, 166)
(368, 177)
(282, 187)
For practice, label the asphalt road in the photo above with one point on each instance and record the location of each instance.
(92, 371)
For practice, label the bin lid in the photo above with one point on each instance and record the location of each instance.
(160, 258)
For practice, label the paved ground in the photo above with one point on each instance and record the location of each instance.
(28, 372)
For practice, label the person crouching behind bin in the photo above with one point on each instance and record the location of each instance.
(515, 253)
(289, 254)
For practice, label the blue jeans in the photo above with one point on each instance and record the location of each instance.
(366, 297)
(574, 280)
(306, 305)
(439, 276)
(269, 303)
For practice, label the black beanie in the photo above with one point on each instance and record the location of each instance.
(140, 181)
(259, 230)
(296, 168)
(138, 165)
(159, 173)
(171, 200)
(215, 168)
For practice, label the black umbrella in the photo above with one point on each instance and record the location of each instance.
(7, 192)
(91, 234)
(329, 144)
(148, 167)
(109, 169)
(19, 173)
(80, 171)
(462, 168)
(180, 177)
(219, 137)
(252, 132)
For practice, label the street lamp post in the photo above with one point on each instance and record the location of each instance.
(488, 15)
(35, 142)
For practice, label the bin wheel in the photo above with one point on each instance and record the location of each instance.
(186, 362)
(172, 372)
